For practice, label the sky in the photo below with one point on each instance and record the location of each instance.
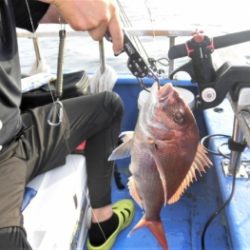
(218, 15)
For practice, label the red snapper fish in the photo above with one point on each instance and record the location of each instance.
(165, 155)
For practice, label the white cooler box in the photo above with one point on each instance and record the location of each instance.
(56, 207)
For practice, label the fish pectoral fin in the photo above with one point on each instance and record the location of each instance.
(162, 175)
(200, 162)
(133, 191)
(126, 135)
(156, 228)
(122, 151)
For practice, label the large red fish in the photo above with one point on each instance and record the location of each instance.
(165, 155)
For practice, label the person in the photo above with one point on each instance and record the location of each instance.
(30, 146)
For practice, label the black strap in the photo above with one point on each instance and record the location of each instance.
(236, 146)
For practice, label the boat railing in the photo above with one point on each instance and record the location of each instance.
(52, 31)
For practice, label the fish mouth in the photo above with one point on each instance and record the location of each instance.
(165, 92)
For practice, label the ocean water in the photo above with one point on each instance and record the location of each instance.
(82, 53)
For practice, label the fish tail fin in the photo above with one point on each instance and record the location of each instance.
(156, 228)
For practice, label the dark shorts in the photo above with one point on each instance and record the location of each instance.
(41, 147)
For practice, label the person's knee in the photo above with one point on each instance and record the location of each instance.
(13, 238)
(114, 103)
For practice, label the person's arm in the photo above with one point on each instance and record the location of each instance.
(94, 16)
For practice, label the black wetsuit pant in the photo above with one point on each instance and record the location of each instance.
(41, 147)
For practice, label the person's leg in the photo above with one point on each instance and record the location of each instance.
(101, 130)
(94, 118)
(12, 183)
(13, 238)
(99, 122)
(39, 148)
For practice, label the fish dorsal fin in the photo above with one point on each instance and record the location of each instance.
(123, 150)
(200, 162)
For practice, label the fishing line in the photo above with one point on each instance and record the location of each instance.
(150, 16)
(35, 36)
(127, 23)
(30, 18)
(138, 44)
(63, 119)
(40, 65)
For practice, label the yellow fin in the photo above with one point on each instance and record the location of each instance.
(200, 162)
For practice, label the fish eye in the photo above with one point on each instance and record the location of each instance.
(178, 118)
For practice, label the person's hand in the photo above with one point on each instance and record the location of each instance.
(94, 16)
